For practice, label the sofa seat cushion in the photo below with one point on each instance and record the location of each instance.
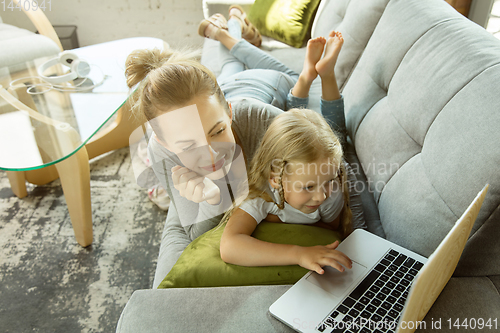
(463, 298)
(20, 45)
(221, 310)
(420, 110)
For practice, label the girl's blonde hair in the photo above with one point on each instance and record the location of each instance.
(167, 80)
(298, 135)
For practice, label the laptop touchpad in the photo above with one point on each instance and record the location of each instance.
(336, 282)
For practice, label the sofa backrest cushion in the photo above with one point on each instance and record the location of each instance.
(422, 107)
(356, 19)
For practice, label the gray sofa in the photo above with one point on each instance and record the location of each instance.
(420, 84)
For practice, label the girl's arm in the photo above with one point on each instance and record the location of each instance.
(240, 248)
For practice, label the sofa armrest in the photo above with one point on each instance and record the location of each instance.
(245, 309)
(224, 309)
(173, 242)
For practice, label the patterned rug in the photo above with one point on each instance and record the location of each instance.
(49, 283)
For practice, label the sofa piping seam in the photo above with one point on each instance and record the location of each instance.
(362, 52)
(388, 180)
(396, 69)
(494, 285)
(485, 221)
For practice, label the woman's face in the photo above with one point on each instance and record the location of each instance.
(200, 135)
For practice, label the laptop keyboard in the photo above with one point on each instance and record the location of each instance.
(377, 302)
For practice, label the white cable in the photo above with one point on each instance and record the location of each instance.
(46, 86)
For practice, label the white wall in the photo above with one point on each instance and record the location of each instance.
(480, 11)
(175, 21)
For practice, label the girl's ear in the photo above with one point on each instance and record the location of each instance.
(274, 180)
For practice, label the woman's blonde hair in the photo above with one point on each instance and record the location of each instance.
(167, 80)
(298, 135)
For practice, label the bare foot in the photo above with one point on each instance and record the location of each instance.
(313, 55)
(326, 66)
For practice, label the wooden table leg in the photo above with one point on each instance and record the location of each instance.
(17, 183)
(74, 173)
(41, 176)
(116, 135)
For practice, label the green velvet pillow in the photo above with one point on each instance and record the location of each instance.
(200, 265)
(285, 20)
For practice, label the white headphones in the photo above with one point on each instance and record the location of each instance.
(79, 68)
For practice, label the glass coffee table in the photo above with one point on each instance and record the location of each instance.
(47, 134)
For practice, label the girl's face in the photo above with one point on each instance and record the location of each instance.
(200, 135)
(307, 185)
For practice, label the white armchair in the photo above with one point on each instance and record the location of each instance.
(20, 45)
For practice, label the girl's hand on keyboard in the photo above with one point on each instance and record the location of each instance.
(315, 257)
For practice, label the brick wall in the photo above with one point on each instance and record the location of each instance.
(174, 21)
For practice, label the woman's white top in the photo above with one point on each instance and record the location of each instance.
(328, 211)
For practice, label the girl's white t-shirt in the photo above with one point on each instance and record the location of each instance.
(258, 208)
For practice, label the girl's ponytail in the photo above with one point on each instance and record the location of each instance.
(346, 213)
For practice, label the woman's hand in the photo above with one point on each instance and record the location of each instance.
(315, 257)
(194, 187)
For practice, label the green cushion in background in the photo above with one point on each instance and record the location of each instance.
(200, 265)
(285, 20)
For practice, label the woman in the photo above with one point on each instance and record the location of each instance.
(207, 129)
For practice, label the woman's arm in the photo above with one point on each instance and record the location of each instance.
(240, 248)
(195, 218)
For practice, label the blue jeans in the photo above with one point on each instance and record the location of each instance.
(249, 72)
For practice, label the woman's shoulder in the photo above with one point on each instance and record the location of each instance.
(249, 110)
(251, 118)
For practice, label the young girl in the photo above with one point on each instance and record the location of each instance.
(297, 176)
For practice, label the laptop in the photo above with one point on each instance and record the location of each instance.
(388, 289)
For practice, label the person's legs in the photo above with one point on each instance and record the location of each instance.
(234, 49)
(230, 64)
(237, 53)
(326, 67)
(314, 52)
(332, 103)
(255, 58)
(245, 50)
(298, 97)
